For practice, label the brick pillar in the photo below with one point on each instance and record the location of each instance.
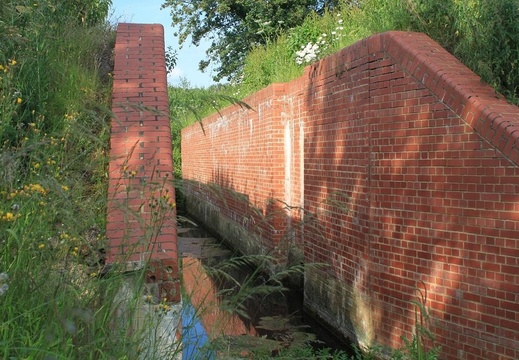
(141, 223)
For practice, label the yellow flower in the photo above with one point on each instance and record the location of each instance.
(41, 246)
(8, 216)
(64, 187)
(1, 67)
(19, 100)
(12, 62)
(36, 188)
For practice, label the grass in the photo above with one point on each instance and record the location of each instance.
(483, 34)
(54, 113)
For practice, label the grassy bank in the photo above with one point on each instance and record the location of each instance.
(482, 34)
(54, 116)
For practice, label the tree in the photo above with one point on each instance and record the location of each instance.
(235, 26)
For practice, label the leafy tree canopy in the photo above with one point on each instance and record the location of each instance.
(235, 26)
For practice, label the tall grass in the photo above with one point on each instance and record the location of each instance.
(54, 101)
(483, 34)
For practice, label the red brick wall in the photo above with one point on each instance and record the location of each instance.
(246, 170)
(141, 223)
(406, 166)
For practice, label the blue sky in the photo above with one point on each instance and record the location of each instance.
(149, 12)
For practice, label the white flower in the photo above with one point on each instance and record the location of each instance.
(3, 277)
(340, 21)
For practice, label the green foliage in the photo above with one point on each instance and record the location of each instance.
(284, 59)
(236, 26)
(416, 348)
(263, 64)
(53, 142)
(483, 34)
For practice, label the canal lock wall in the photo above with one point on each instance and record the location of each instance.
(393, 167)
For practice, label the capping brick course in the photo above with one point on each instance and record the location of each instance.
(141, 219)
(406, 166)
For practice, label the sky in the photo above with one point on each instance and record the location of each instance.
(149, 12)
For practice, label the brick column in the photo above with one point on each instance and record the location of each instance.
(141, 223)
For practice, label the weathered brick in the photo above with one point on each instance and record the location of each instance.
(141, 153)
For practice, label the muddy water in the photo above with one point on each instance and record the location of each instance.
(239, 309)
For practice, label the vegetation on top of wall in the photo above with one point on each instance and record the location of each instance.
(483, 34)
(234, 26)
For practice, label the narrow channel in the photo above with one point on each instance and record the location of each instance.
(235, 308)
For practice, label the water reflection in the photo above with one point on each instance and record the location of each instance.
(239, 309)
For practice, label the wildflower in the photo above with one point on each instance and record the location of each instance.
(19, 100)
(41, 246)
(36, 188)
(308, 54)
(8, 216)
(64, 187)
(12, 62)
